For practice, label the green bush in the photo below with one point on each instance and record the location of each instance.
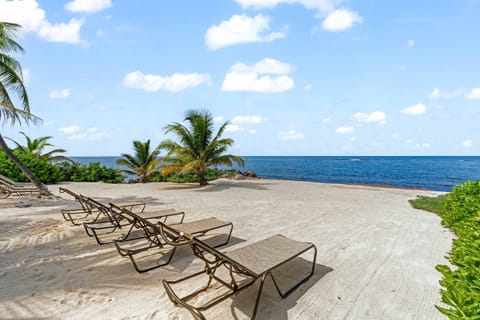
(461, 285)
(190, 177)
(463, 202)
(44, 171)
(91, 172)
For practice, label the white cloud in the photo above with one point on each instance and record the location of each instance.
(174, 83)
(409, 141)
(326, 120)
(59, 94)
(410, 43)
(256, 78)
(240, 29)
(352, 139)
(252, 131)
(422, 145)
(474, 94)
(307, 87)
(290, 135)
(33, 19)
(70, 129)
(340, 20)
(400, 67)
(248, 119)
(234, 128)
(321, 5)
(467, 143)
(376, 116)
(395, 136)
(345, 130)
(88, 6)
(415, 110)
(436, 93)
(376, 143)
(91, 134)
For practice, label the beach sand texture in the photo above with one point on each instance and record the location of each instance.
(376, 255)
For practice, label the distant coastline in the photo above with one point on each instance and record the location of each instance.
(438, 173)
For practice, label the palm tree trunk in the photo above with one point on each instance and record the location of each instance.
(25, 170)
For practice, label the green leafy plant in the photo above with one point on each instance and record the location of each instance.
(89, 173)
(432, 204)
(142, 163)
(460, 211)
(43, 170)
(36, 148)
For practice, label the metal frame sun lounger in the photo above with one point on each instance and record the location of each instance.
(79, 215)
(244, 266)
(161, 234)
(6, 190)
(15, 184)
(104, 230)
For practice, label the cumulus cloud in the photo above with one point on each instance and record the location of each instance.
(410, 43)
(467, 143)
(415, 110)
(90, 134)
(376, 116)
(234, 128)
(474, 94)
(340, 20)
(290, 135)
(307, 87)
(248, 119)
(59, 94)
(422, 145)
(258, 77)
(345, 130)
(240, 29)
(88, 6)
(33, 19)
(174, 83)
(436, 93)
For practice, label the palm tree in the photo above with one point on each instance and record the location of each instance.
(143, 163)
(198, 148)
(11, 80)
(35, 148)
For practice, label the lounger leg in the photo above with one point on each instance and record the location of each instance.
(257, 301)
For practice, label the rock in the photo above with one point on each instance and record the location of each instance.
(239, 177)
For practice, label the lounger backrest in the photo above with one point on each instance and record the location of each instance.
(102, 208)
(169, 234)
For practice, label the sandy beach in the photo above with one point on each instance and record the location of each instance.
(376, 254)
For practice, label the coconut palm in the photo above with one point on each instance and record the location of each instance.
(198, 147)
(36, 146)
(11, 81)
(143, 163)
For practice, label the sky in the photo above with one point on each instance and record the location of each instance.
(292, 77)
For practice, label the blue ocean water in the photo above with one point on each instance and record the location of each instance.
(434, 173)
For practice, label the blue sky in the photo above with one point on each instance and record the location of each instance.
(293, 77)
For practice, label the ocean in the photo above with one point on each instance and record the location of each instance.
(434, 173)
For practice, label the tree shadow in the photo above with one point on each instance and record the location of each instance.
(225, 185)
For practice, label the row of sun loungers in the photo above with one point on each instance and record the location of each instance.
(134, 231)
(9, 188)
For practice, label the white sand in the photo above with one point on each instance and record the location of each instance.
(376, 254)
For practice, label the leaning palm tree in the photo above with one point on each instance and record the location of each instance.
(11, 80)
(35, 147)
(143, 163)
(198, 147)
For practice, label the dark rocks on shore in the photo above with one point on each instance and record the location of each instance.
(239, 175)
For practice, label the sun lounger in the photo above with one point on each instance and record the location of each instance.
(114, 226)
(6, 190)
(85, 212)
(162, 234)
(15, 184)
(244, 266)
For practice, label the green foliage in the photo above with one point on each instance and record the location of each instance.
(198, 147)
(463, 202)
(142, 163)
(432, 204)
(44, 171)
(35, 148)
(461, 284)
(188, 177)
(89, 173)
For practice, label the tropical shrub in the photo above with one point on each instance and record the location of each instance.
(461, 284)
(463, 202)
(43, 170)
(142, 163)
(91, 172)
(188, 177)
